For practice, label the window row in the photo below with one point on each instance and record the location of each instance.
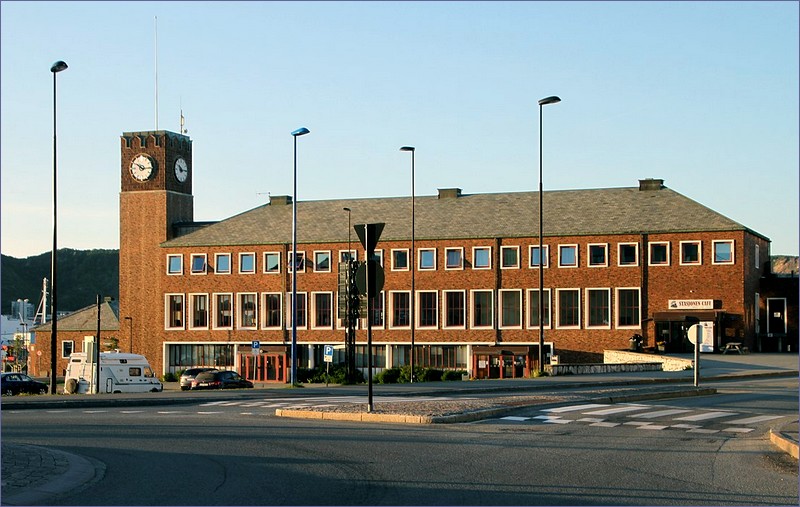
(446, 309)
(568, 256)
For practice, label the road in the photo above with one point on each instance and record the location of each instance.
(234, 451)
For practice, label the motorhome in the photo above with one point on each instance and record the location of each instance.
(119, 373)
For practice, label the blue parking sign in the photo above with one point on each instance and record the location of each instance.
(256, 344)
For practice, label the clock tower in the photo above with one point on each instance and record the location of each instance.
(156, 194)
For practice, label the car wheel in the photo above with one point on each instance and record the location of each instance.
(8, 392)
(42, 390)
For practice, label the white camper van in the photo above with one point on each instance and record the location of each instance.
(119, 373)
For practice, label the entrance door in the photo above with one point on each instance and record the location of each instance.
(776, 316)
(263, 368)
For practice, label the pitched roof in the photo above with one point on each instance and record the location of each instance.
(85, 319)
(626, 210)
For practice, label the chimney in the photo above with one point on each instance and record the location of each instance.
(280, 200)
(449, 193)
(651, 184)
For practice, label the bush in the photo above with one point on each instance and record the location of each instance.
(388, 376)
(170, 377)
(431, 375)
(405, 374)
(338, 375)
(453, 374)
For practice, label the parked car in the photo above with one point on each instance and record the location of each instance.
(220, 380)
(17, 383)
(189, 375)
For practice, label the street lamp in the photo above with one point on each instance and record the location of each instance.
(297, 133)
(411, 261)
(55, 69)
(542, 102)
(349, 339)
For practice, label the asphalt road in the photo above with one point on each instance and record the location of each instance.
(213, 453)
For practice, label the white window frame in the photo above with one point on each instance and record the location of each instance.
(408, 259)
(316, 262)
(501, 311)
(699, 244)
(617, 312)
(264, 310)
(190, 319)
(203, 271)
(489, 252)
(214, 298)
(548, 309)
(167, 310)
(292, 260)
(420, 251)
(574, 247)
(558, 308)
(377, 254)
(757, 257)
(352, 254)
(180, 266)
(472, 311)
(392, 294)
(619, 254)
(265, 264)
(418, 312)
(289, 309)
(382, 297)
(445, 309)
(546, 257)
(241, 309)
(72, 348)
(589, 255)
(587, 310)
(242, 255)
(650, 253)
(217, 257)
(314, 309)
(460, 251)
(502, 257)
(714, 244)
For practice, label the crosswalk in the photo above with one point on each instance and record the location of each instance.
(648, 418)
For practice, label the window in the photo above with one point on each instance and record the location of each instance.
(628, 254)
(174, 264)
(300, 315)
(598, 255)
(322, 262)
(482, 309)
(723, 252)
(427, 258)
(346, 255)
(533, 308)
(67, 346)
(757, 257)
(511, 308)
(535, 252)
(323, 309)
(248, 311)
(690, 253)
(198, 303)
(174, 311)
(189, 355)
(400, 260)
(454, 309)
(659, 253)
(299, 261)
(428, 309)
(568, 256)
(271, 309)
(198, 264)
(598, 308)
(378, 256)
(401, 304)
(453, 258)
(222, 264)
(377, 310)
(247, 263)
(509, 257)
(272, 262)
(569, 308)
(628, 311)
(223, 308)
(482, 257)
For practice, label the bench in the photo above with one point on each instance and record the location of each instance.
(735, 347)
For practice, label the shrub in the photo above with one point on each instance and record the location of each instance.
(405, 374)
(388, 376)
(453, 374)
(170, 377)
(431, 375)
(338, 375)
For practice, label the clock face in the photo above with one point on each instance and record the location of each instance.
(142, 168)
(181, 169)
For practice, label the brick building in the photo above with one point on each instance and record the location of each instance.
(617, 262)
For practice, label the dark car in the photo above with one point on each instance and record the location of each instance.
(17, 383)
(220, 380)
(189, 375)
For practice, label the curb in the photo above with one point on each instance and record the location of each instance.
(470, 416)
(784, 443)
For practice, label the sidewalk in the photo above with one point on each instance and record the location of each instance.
(31, 474)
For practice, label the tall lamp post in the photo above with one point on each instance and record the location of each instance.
(411, 261)
(543, 102)
(349, 341)
(297, 133)
(55, 69)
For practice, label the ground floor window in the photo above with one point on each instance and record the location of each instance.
(378, 356)
(431, 356)
(182, 356)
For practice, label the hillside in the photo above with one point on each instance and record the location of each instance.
(82, 274)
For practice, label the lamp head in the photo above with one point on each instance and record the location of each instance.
(549, 100)
(300, 132)
(58, 66)
(346, 209)
(407, 148)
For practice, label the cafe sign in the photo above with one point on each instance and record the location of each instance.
(691, 304)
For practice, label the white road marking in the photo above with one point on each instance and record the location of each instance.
(515, 418)
(616, 410)
(705, 415)
(660, 413)
(131, 411)
(574, 408)
(605, 424)
(209, 413)
(738, 430)
(701, 430)
(590, 419)
(754, 419)
(651, 427)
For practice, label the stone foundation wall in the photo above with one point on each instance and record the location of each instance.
(668, 363)
(587, 369)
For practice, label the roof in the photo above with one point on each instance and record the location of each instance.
(609, 211)
(85, 319)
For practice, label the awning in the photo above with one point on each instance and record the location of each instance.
(680, 315)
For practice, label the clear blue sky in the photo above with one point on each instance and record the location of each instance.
(703, 95)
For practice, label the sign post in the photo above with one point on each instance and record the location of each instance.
(693, 330)
(328, 361)
(369, 234)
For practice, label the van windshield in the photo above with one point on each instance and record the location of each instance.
(148, 372)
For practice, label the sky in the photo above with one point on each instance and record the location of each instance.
(701, 94)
